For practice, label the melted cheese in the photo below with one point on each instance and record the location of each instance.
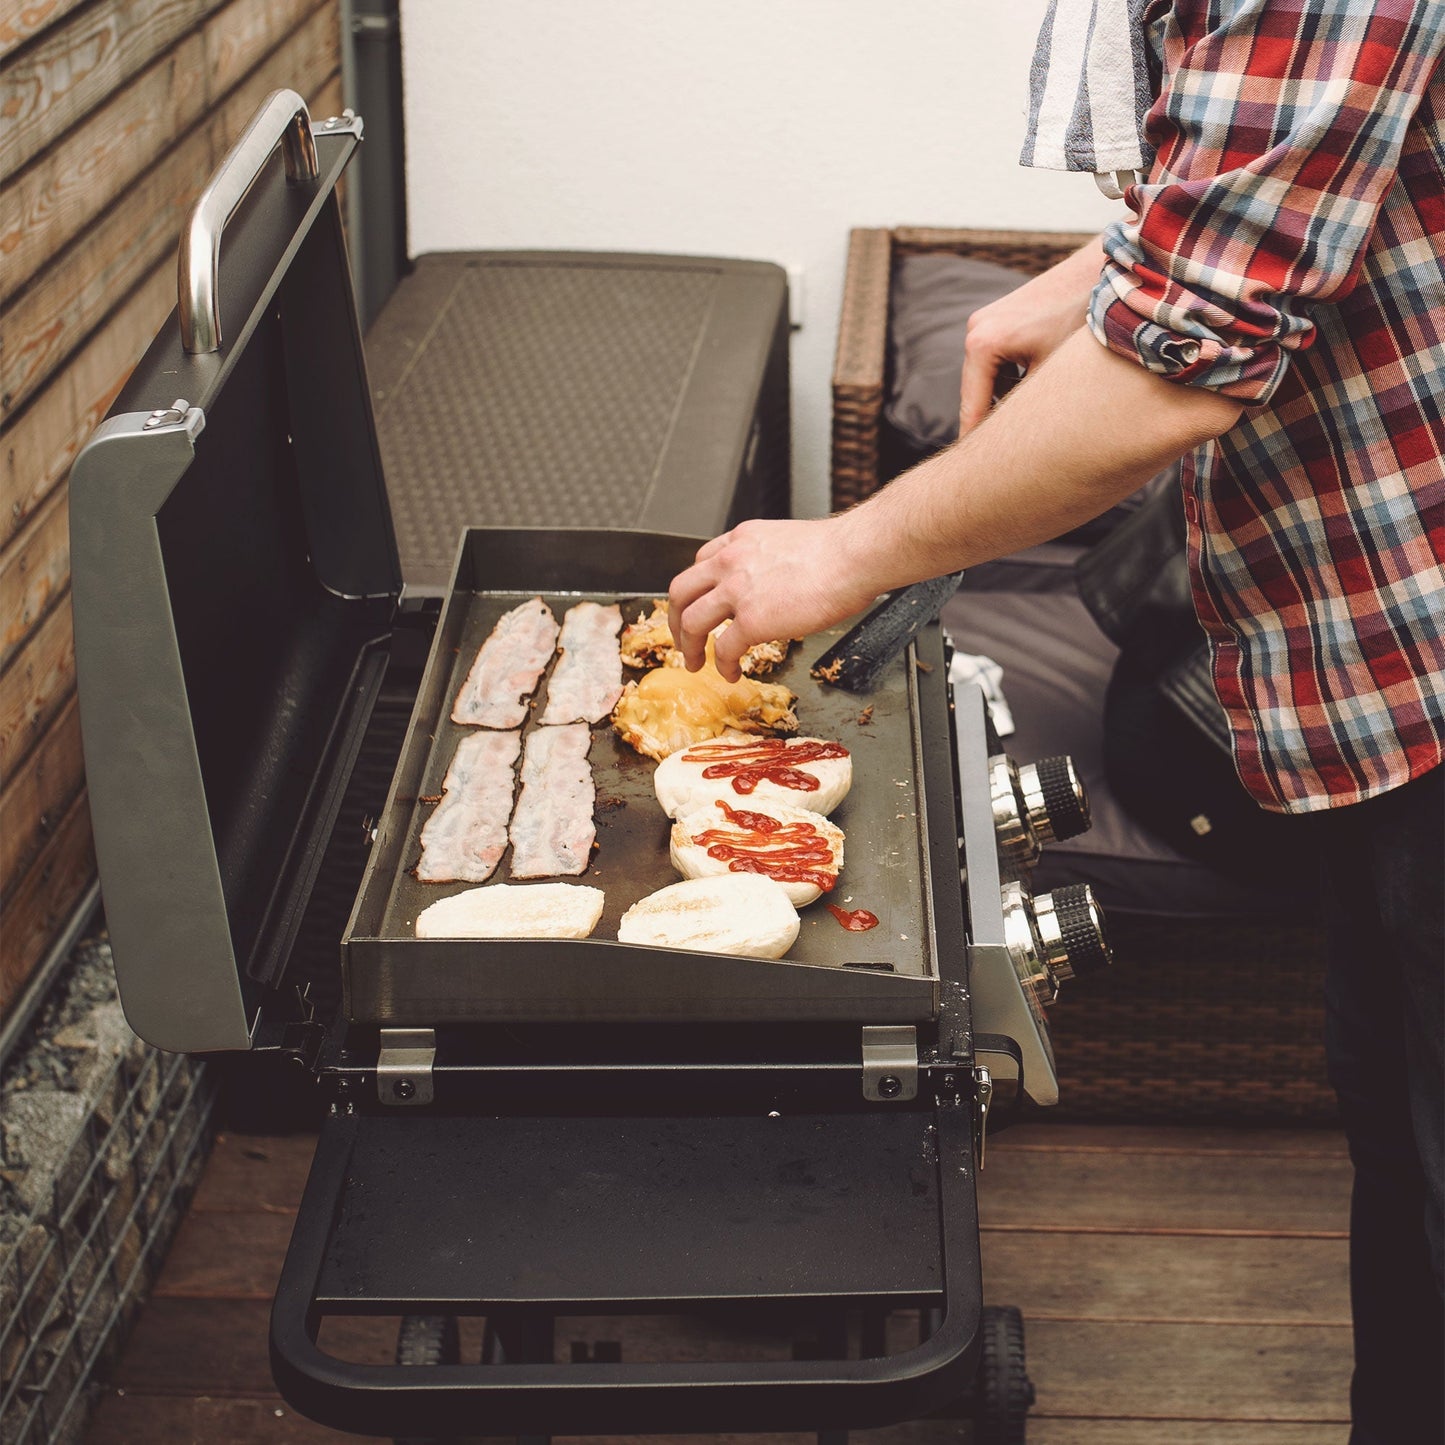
(672, 708)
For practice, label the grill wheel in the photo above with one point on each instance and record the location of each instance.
(1004, 1391)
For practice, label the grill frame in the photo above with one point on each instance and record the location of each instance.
(191, 988)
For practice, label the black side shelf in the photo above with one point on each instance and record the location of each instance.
(416, 1212)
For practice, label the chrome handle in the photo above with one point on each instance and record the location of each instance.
(282, 120)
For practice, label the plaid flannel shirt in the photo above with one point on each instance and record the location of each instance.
(1288, 250)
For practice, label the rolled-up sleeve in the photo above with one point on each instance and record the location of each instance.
(1278, 132)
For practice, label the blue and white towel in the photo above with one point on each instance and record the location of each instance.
(1089, 91)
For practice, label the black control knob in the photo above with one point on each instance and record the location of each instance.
(1057, 805)
(1071, 929)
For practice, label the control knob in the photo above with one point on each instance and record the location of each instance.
(1071, 931)
(1054, 800)
(1053, 937)
(1017, 840)
(1042, 802)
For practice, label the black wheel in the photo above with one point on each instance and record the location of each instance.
(1004, 1391)
(427, 1340)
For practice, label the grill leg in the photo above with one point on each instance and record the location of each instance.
(833, 1345)
(873, 1342)
(520, 1339)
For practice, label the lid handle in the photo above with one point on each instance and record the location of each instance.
(282, 120)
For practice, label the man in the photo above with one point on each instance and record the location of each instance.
(1273, 308)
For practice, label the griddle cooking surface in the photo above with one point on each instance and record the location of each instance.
(884, 868)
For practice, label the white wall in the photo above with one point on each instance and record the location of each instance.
(753, 128)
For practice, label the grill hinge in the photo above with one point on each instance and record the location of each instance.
(890, 1062)
(404, 1066)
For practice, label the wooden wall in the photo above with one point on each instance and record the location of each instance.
(113, 113)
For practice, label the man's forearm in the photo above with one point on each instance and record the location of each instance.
(1084, 431)
(1086, 428)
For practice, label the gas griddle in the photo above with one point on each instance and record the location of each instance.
(522, 1129)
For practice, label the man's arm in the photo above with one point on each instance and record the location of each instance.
(1087, 428)
(1026, 326)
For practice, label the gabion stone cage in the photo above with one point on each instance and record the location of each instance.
(102, 1141)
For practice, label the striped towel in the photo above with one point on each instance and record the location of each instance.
(1089, 90)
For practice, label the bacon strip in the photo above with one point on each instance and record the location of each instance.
(463, 841)
(507, 667)
(552, 829)
(587, 682)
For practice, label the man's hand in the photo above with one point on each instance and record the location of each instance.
(1026, 327)
(774, 580)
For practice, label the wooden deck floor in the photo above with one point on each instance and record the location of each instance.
(1179, 1284)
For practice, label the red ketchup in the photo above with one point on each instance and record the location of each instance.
(785, 852)
(858, 920)
(774, 759)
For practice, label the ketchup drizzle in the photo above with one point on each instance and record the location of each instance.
(858, 920)
(768, 758)
(785, 852)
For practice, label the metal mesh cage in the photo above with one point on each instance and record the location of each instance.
(93, 1241)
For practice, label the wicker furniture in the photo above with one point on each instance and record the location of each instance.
(860, 364)
(1200, 1018)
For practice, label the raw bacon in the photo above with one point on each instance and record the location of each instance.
(552, 829)
(587, 682)
(463, 841)
(507, 667)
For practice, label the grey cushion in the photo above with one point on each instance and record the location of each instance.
(1056, 666)
(930, 301)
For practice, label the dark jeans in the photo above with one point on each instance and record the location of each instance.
(1384, 874)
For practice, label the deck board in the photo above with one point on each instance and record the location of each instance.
(248, 1172)
(1103, 1369)
(1181, 1284)
(1131, 1191)
(1230, 1280)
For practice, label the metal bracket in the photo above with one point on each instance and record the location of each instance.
(404, 1066)
(890, 1062)
(180, 414)
(347, 123)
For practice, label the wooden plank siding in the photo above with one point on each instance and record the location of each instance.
(34, 801)
(21, 20)
(113, 114)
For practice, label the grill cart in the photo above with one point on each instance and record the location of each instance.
(520, 1130)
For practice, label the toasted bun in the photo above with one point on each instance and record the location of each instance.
(693, 860)
(508, 910)
(681, 786)
(739, 913)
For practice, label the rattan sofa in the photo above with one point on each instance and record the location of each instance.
(1201, 1018)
